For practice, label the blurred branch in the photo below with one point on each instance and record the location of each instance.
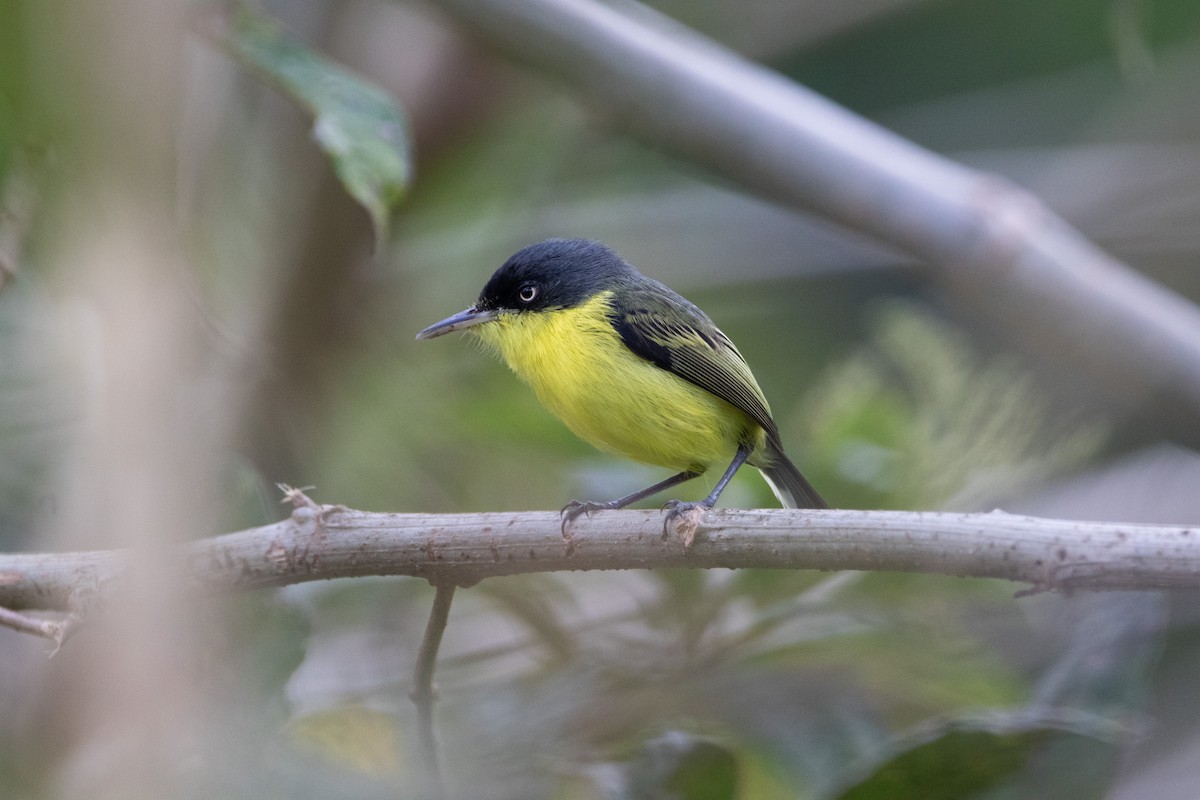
(991, 245)
(54, 630)
(423, 692)
(323, 542)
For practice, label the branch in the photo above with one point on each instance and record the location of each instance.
(323, 542)
(47, 629)
(992, 245)
(424, 693)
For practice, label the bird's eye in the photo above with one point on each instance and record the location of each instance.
(527, 293)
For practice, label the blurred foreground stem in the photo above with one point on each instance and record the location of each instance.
(423, 693)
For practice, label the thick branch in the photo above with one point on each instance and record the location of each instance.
(331, 542)
(991, 244)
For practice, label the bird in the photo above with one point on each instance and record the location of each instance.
(632, 368)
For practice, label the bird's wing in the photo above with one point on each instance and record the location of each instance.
(677, 336)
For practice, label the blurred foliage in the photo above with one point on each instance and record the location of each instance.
(679, 765)
(915, 422)
(14, 84)
(358, 125)
(938, 49)
(37, 404)
(356, 738)
(964, 761)
(695, 685)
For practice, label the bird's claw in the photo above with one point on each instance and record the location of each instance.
(685, 519)
(578, 508)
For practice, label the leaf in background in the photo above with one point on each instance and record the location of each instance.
(354, 737)
(356, 123)
(919, 419)
(1111, 643)
(680, 766)
(957, 764)
(997, 755)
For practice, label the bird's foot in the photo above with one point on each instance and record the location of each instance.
(685, 519)
(578, 508)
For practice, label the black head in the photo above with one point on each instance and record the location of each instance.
(556, 273)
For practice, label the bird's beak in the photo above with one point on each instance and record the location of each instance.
(463, 319)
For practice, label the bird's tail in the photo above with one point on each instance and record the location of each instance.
(792, 488)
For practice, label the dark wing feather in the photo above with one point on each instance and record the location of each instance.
(667, 330)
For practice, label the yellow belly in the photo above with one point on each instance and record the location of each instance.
(582, 372)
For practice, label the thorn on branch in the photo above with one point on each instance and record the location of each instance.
(304, 508)
(297, 496)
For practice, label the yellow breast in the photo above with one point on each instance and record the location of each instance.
(586, 376)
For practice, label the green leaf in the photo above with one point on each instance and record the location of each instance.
(958, 764)
(356, 123)
(998, 756)
(681, 766)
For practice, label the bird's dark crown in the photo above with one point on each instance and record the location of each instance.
(556, 273)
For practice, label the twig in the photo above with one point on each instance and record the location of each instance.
(47, 629)
(55, 630)
(995, 247)
(423, 692)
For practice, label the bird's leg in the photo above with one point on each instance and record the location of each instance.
(677, 509)
(575, 508)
